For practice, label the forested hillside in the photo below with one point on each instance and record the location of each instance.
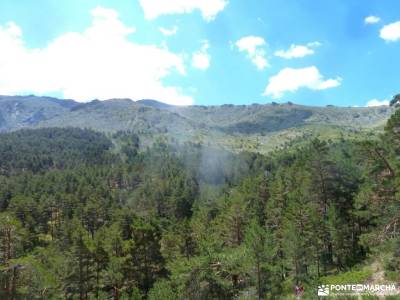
(85, 215)
(237, 128)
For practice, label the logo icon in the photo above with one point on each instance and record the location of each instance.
(323, 290)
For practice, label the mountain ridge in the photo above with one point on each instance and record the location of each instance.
(259, 127)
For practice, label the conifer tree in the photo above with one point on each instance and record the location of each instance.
(11, 236)
(260, 251)
(79, 279)
(146, 264)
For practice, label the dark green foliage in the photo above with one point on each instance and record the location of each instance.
(78, 280)
(394, 263)
(260, 252)
(86, 216)
(146, 264)
(162, 290)
(51, 148)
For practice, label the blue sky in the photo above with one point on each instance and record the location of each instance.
(341, 52)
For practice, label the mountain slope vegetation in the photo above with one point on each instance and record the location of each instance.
(89, 215)
(256, 128)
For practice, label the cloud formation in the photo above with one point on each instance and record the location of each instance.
(254, 47)
(391, 32)
(298, 51)
(100, 62)
(290, 80)
(201, 59)
(169, 31)
(376, 102)
(372, 20)
(208, 8)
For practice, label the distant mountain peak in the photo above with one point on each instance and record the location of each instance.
(154, 103)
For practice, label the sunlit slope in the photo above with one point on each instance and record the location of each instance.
(253, 127)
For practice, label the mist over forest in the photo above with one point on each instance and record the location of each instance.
(199, 150)
(139, 214)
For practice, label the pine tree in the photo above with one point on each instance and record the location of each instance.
(11, 235)
(100, 259)
(115, 275)
(233, 220)
(162, 290)
(260, 251)
(302, 224)
(275, 221)
(79, 279)
(146, 264)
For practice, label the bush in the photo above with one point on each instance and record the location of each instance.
(347, 277)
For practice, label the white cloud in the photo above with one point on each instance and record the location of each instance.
(372, 20)
(290, 80)
(391, 32)
(208, 8)
(254, 47)
(376, 102)
(99, 62)
(169, 31)
(297, 51)
(201, 59)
